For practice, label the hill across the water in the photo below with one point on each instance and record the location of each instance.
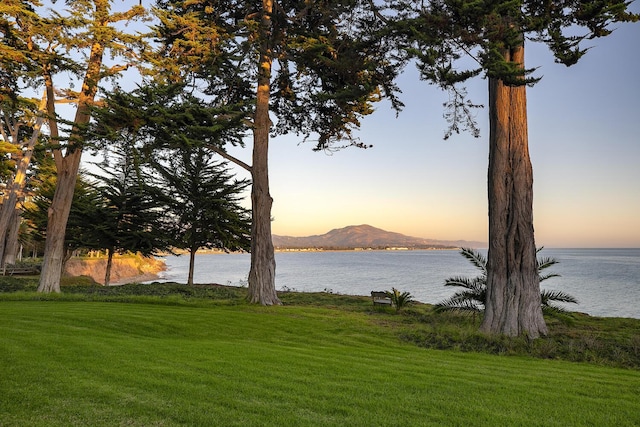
(367, 237)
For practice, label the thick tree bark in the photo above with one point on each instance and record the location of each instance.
(262, 275)
(7, 216)
(57, 216)
(12, 244)
(67, 167)
(513, 289)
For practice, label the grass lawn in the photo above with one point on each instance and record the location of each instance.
(67, 362)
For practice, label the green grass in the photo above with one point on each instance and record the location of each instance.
(204, 357)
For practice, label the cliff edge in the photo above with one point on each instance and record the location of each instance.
(125, 269)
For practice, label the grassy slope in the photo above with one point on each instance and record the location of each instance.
(99, 363)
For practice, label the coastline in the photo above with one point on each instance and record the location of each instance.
(145, 277)
(124, 269)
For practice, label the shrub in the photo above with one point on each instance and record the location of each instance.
(399, 300)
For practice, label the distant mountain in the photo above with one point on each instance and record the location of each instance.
(366, 236)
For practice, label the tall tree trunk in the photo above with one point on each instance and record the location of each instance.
(67, 167)
(107, 270)
(513, 289)
(8, 214)
(192, 263)
(57, 216)
(262, 275)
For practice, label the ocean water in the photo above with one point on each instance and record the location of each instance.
(606, 282)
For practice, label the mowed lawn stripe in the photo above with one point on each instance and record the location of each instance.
(95, 363)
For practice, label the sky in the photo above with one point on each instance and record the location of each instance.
(584, 140)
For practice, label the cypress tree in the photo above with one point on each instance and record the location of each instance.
(203, 202)
(71, 41)
(316, 68)
(440, 34)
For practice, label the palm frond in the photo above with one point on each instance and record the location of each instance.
(399, 299)
(476, 258)
(544, 263)
(547, 296)
(472, 299)
(548, 276)
(462, 282)
(474, 295)
(452, 305)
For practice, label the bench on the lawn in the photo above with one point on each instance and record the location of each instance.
(11, 270)
(380, 298)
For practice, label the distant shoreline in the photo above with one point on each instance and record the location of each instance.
(279, 250)
(389, 249)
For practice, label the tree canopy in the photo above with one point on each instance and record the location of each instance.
(203, 202)
(179, 135)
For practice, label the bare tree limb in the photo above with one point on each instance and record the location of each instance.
(229, 157)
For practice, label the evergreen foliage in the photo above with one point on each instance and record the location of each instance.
(453, 41)
(85, 216)
(309, 68)
(73, 48)
(332, 65)
(203, 202)
(156, 116)
(133, 216)
(179, 135)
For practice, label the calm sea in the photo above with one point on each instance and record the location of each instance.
(606, 282)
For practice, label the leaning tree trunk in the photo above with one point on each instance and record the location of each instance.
(67, 167)
(16, 188)
(57, 216)
(512, 306)
(262, 275)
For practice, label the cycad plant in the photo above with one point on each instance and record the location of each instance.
(473, 295)
(399, 299)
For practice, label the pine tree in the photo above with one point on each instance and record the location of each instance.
(179, 134)
(204, 202)
(21, 117)
(132, 216)
(85, 215)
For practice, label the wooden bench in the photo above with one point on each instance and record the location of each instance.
(380, 298)
(15, 271)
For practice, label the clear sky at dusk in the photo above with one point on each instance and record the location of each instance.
(584, 138)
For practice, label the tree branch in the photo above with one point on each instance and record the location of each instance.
(229, 157)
